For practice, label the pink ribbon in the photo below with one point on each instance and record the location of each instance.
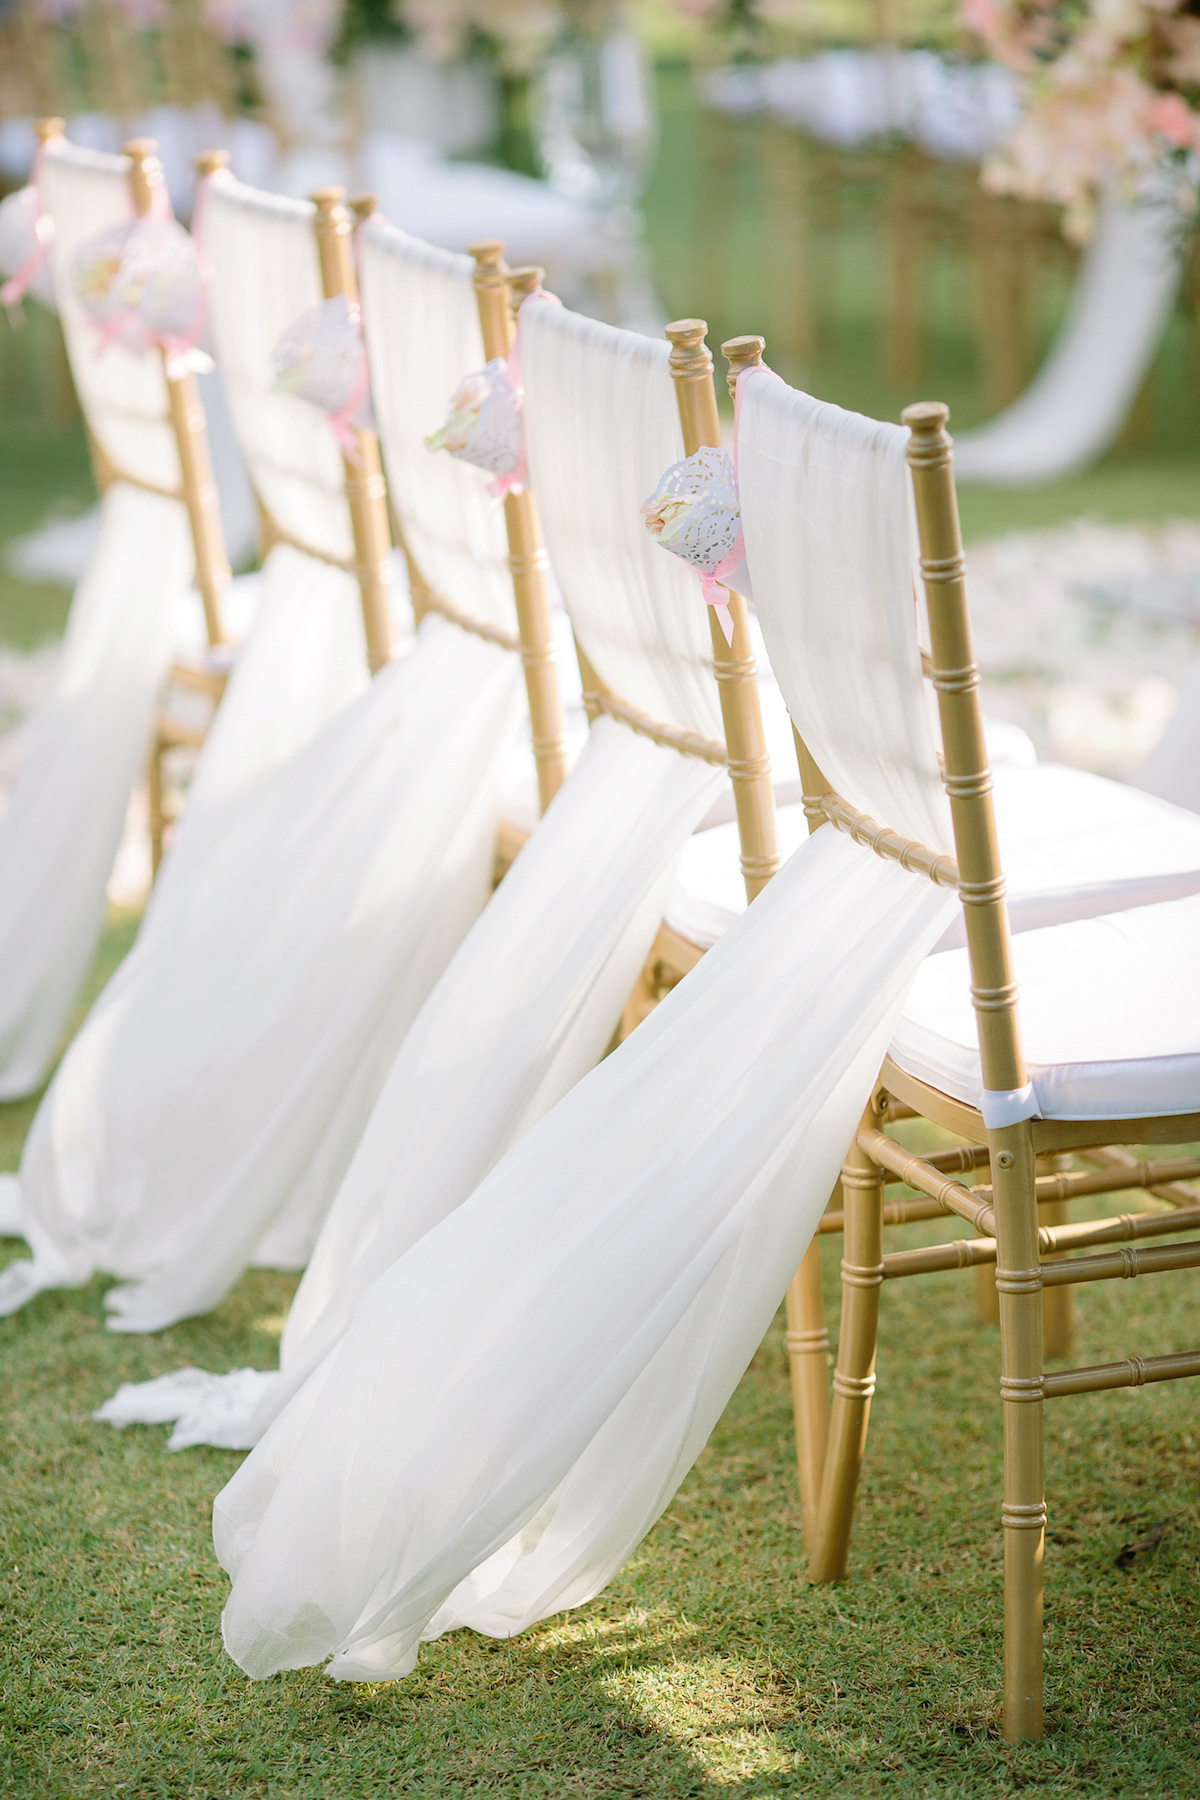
(712, 582)
(345, 433)
(516, 479)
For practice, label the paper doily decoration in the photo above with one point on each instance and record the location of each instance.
(141, 284)
(695, 513)
(321, 358)
(486, 426)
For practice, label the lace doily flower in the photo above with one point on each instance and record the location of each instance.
(321, 358)
(141, 284)
(486, 426)
(695, 513)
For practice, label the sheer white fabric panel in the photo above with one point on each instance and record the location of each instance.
(60, 829)
(827, 514)
(527, 1006)
(601, 427)
(223, 1079)
(123, 396)
(521, 1393)
(1076, 404)
(304, 660)
(422, 329)
(264, 272)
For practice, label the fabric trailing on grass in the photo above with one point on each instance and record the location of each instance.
(526, 1007)
(531, 1000)
(518, 1397)
(222, 1080)
(61, 826)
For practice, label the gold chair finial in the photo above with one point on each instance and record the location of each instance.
(522, 282)
(488, 252)
(363, 206)
(145, 174)
(209, 161)
(691, 358)
(742, 353)
(930, 444)
(49, 128)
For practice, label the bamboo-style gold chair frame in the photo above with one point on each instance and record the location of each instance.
(744, 752)
(197, 491)
(1005, 1211)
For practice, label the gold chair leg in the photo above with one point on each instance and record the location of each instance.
(808, 1358)
(1058, 1303)
(987, 1300)
(1019, 1282)
(854, 1376)
(154, 783)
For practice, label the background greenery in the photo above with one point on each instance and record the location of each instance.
(709, 1668)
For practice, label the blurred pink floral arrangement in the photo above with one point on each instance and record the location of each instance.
(1111, 91)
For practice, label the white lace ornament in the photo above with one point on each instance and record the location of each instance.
(695, 513)
(321, 358)
(141, 284)
(486, 425)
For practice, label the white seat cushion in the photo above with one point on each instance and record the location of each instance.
(1072, 845)
(1110, 1016)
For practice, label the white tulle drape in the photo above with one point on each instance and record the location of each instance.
(123, 394)
(518, 1396)
(221, 1082)
(1077, 402)
(303, 662)
(208, 1110)
(635, 608)
(264, 272)
(842, 661)
(524, 1010)
(60, 829)
(62, 823)
(421, 320)
(531, 999)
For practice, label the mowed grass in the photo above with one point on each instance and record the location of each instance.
(709, 1668)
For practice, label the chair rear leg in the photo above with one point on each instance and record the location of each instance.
(808, 1357)
(154, 786)
(1019, 1283)
(854, 1376)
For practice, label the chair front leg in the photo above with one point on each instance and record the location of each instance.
(1019, 1284)
(808, 1358)
(854, 1376)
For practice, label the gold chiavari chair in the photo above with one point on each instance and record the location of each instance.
(497, 301)
(743, 753)
(207, 675)
(734, 664)
(1004, 1134)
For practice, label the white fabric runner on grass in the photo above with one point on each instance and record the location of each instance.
(223, 1078)
(61, 826)
(527, 1006)
(518, 1396)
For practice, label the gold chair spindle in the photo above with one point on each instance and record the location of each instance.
(733, 664)
(366, 490)
(527, 557)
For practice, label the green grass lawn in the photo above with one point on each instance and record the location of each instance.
(708, 1668)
